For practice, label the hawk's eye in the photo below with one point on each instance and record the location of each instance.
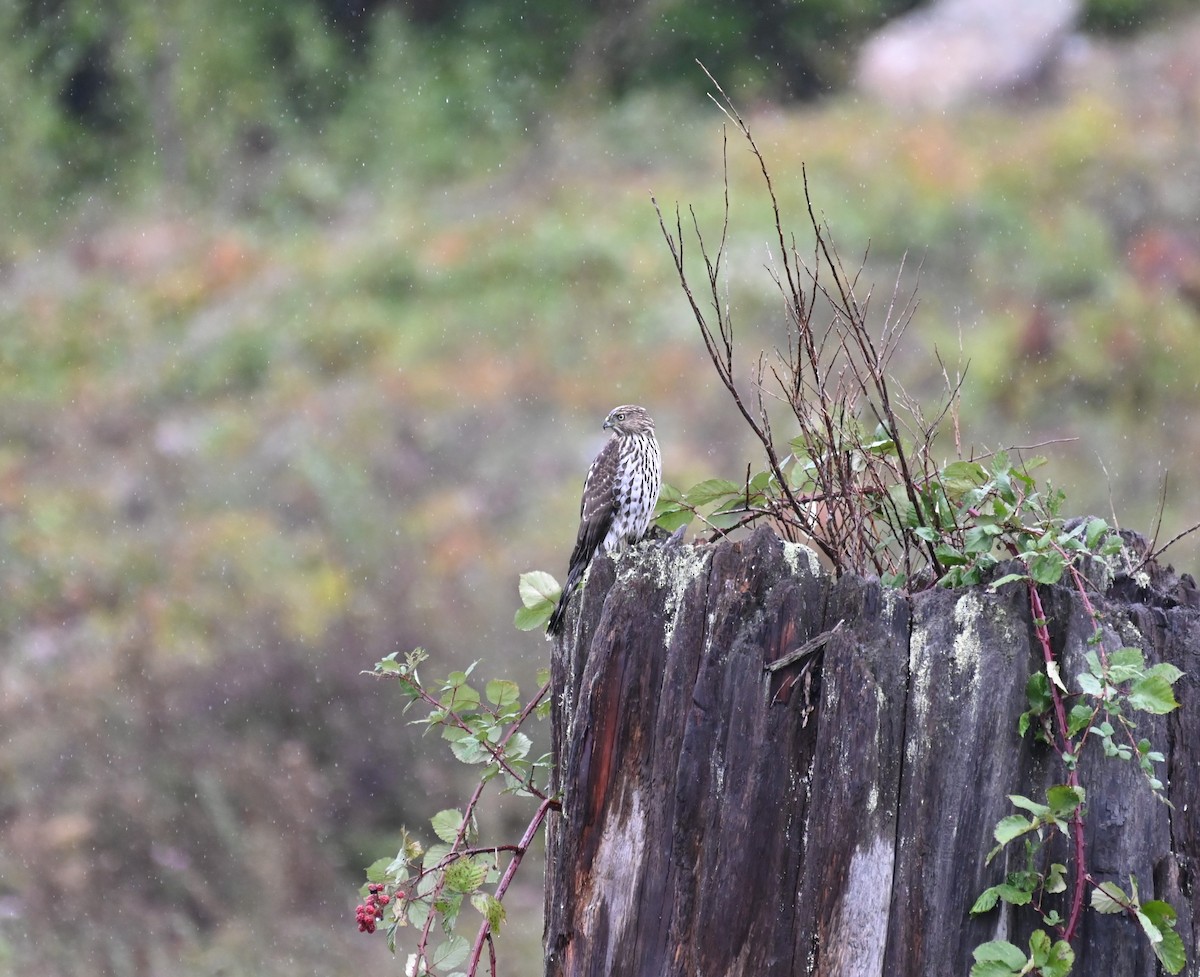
(621, 416)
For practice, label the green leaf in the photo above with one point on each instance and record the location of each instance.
(1078, 719)
(470, 750)
(532, 618)
(1025, 804)
(465, 876)
(377, 871)
(1014, 895)
(460, 698)
(998, 958)
(1109, 898)
(1056, 880)
(1168, 947)
(418, 912)
(1170, 952)
(960, 476)
(446, 824)
(1125, 664)
(986, 901)
(433, 856)
(537, 587)
(1166, 671)
(490, 908)
(948, 555)
(451, 953)
(672, 516)
(712, 489)
(518, 746)
(1006, 579)
(1039, 948)
(501, 692)
(1037, 693)
(980, 539)
(1152, 693)
(1095, 532)
(1064, 799)
(1052, 960)
(1012, 827)
(1046, 568)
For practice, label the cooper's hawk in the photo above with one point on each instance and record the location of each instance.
(619, 495)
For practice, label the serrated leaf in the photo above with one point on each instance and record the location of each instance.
(433, 855)
(1169, 947)
(1078, 719)
(1003, 957)
(377, 871)
(1153, 933)
(1006, 579)
(986, 901)
(1039, 948)
(1037, 692)
(1064, 799)
(451, 953)
(518, 746)
(446, 825)
(538, 587)
(1125, 664)
(673, 516)
(958, 476)
(1109, 898)
(470, 750)
(980, 539)
(948, 556)
(1059, 959)
(459, 698)
(712, 489)
(1094, 533)
(1152, 693)
(490, 908)
(1014, 895)
(1046, 568)
(1166, 671)
(1025, 804)
(501, 692)
(1012, 827)
(532, 618)
(465, 876)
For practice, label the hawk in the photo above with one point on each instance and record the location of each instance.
(619, 495)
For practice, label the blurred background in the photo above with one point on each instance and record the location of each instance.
(310, 312)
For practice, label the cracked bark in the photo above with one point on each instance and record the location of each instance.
(710, 827)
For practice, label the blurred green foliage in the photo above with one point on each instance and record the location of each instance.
(307, 326)
(278, 104)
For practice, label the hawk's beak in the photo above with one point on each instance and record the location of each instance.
(607, 424)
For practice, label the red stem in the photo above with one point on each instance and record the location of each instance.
(485, 928)
(1060, 715)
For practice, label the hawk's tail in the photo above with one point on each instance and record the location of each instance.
(555, 626)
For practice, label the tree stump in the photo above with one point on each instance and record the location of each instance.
(832, 817)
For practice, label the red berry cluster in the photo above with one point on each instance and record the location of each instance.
(372, 909)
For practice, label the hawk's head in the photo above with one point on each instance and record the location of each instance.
(629, 419)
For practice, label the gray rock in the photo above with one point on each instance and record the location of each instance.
(955, 51)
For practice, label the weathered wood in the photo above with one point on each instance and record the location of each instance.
(830, 817)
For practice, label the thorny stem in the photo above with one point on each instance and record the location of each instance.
(485, 928)
(1060, 715)
(472, 803)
